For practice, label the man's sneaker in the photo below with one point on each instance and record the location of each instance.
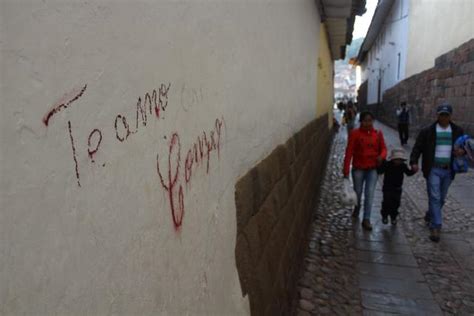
(393, 220)
(385, 220)
(366, 225)
(435, 234)
(355, 213)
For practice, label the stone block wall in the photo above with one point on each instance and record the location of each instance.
(451, 80)
(274, 201)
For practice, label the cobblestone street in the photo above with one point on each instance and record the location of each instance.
(393, 269)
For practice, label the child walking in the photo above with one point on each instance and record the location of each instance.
(395, 169)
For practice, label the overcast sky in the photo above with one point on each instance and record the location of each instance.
(362, 23)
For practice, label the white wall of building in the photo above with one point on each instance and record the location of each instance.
(386, 60)
(110, 245)
(436, 27)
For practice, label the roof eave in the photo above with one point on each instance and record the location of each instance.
(339, 18)
(381, 11)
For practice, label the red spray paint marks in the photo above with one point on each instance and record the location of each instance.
(177, 211)
(149, 102)
(188, 166)
(163, 97)
(199, 152)
(218, 125)
(172, 181)
(203, 148)
(74, 153)
(63, 103)
(156, 102)
(91, 151)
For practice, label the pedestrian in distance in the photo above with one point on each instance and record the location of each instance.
(435, 145)
(403, 115)
(394, 170)
(365, 151)
(335, 125)
(350, 117)
(340, 106)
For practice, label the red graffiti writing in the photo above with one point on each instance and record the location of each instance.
(74, 152)
(202, 148)
(91, 151)
(177, 210)
(63, 103)
(173, 178)
(156, 102)
(172, 181)
(163, 96)
(123, 120)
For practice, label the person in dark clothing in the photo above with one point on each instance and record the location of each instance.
(350, 117)
(435, 144)
(403, 115)
(394, 169)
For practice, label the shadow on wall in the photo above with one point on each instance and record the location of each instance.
(274, 202)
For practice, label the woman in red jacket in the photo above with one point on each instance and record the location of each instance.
(366, 149)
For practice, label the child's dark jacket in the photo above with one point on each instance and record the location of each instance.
(393, 179)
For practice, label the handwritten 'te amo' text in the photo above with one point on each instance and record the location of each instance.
(173, 177)
(153, 104)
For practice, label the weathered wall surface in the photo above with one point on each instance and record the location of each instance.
(274, 203)
(452, 80)
(362, 95)
(436, 26)
(124, 128)
(325, 80)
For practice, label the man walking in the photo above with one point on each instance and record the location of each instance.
(403, 115)
(435, 144)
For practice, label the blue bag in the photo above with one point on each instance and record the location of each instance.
(461, 164)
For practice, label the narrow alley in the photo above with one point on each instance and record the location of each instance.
(181, 157)
(393, 269)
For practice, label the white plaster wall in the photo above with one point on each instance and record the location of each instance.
(382, 59)
(436, 27)
(110, 245)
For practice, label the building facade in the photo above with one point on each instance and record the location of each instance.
(124, 129)
(406, 36)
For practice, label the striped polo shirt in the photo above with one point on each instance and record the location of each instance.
(444, 145)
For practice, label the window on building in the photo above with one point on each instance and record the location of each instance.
(398, 68)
